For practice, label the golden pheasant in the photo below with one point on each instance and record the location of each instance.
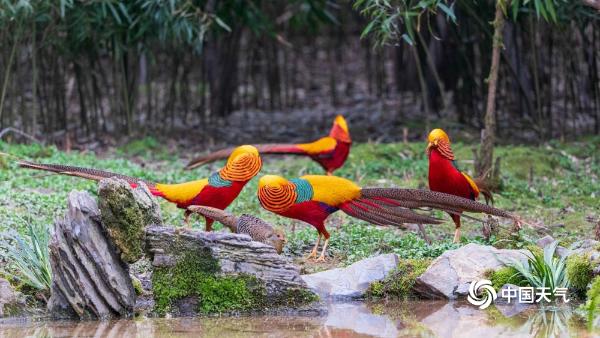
(313, 198)
(254, 227)
(444, 175)
(330, 151)
(218, 190)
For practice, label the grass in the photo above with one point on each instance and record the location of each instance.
(551, 184)
(26, 257)
(543, 269)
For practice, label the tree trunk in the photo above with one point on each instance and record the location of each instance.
(486, 151)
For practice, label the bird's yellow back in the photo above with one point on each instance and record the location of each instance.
(332, 190)
(321, 145)
(183, 192)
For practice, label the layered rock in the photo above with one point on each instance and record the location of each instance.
(219, 260)
(89, 279)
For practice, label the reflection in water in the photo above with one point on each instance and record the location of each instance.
(405, 319)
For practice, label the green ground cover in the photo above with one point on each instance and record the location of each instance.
(555, 185)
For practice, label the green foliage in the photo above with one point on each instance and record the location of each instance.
(400, 282)
(395, 20)
(505, 275)
(579, 272)
(592, 305)
(26, 256)
(543, 269)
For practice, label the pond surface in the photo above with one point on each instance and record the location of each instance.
(398, 319)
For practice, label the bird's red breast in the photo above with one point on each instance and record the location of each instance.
(445, 177)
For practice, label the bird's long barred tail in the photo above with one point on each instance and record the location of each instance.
(91, 174)
(376, 212)
(208, 158)
(272, 148)
(413, 198)
(227, 219)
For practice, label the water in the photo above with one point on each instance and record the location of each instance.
(405, 319)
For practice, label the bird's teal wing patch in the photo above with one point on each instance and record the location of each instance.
(304, 191)
(215, 180)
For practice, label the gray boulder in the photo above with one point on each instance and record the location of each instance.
(586, 246)
(10, 299)
(450, 275)
(352, 281)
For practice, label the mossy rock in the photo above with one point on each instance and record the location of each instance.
(196, 275)
(400, 282)
(196, 278)
(125, 212)
(579, 272)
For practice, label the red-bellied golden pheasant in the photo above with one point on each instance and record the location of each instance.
(254, 227)
(444, 175)
(218, 190)
(313, 198)
(330, 151)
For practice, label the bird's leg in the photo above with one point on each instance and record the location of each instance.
(456, 219)
(313, 253)
(329, 173)
(322, 257)
(186, 218)
(424, 234)
(209, 223)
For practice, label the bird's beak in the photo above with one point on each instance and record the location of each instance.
(431, 145)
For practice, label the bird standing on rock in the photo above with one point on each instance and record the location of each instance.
(444, 175)
(330, 151)
(312, 198)
(254, 227)
(218, 190)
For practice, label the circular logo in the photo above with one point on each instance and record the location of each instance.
(481, 293)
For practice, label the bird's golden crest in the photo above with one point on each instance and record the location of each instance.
(275, 193)
(340, 130)
(242, 165)
(341, 121)
(438, 139)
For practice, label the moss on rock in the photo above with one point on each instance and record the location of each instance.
(400, 282)
(504, 275)
(196, 275)
(579, 272)
(137, 285)
(125, 213)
